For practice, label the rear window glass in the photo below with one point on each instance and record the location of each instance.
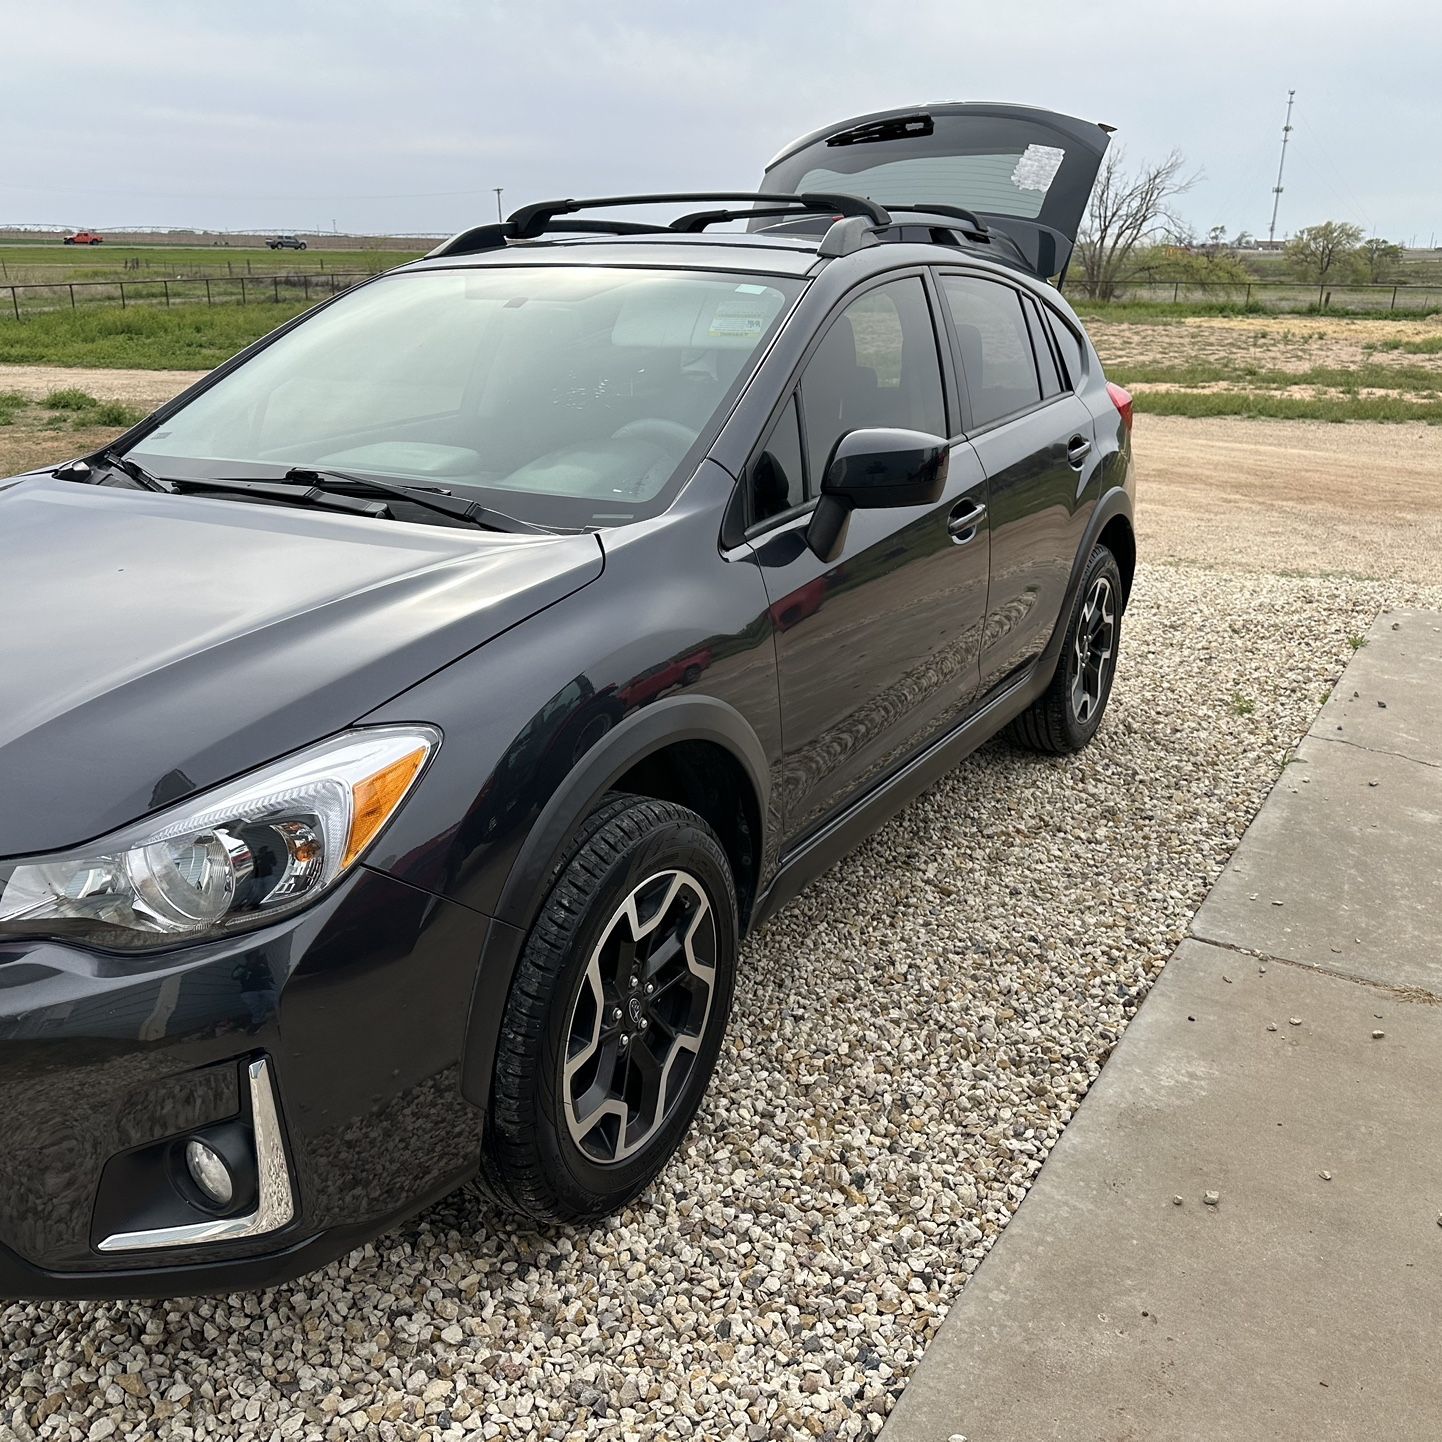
(1006, 182)
(1070, 347)
(1051, 381)
(995, 346)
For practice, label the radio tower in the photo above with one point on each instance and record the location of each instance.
(1277, 188)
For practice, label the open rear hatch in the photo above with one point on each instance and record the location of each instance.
(1026, 173)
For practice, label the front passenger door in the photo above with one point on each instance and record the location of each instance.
(877, 650)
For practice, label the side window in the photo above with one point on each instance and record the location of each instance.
(1051, 381)
(777, 480)
(996, 353)
(1069, 347)
(876, 366)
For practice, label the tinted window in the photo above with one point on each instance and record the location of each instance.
(1051, 381)
(876, 366)
(777, 479)
(1069, 346)
(995, 346)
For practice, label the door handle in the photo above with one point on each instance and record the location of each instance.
(1077, 450)
(965, 520)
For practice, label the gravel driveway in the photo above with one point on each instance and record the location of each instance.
(910, 1038)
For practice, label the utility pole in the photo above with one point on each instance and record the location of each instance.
(1277, 188)
(498, 189)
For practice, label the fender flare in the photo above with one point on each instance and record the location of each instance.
(1115, 502)
(662, 723)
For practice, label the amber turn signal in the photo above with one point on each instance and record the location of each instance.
(375, 798)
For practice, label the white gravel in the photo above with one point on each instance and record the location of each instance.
(910, 1038)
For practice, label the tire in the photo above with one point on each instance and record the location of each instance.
(1066, 715)
(556, 1147)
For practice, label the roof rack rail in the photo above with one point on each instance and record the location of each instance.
(548, 216)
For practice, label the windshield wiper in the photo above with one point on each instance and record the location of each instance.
(114, 461)
(283, 491)
(432, 498)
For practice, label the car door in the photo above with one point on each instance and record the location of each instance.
(1034, 439)
(877, 649)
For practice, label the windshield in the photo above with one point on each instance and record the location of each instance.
(568, 395)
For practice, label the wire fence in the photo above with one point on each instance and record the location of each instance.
(19, 301)
(1281, 296)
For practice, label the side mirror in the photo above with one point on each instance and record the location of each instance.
(870, 469)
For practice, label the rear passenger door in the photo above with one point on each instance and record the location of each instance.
(877, 650)
(1034, 439)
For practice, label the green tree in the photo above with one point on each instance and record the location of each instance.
(1320, 252)
(1379, 258)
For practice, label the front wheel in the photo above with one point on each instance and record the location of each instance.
(615, 1016)
(1066, 715)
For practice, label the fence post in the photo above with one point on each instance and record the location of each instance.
(166, 284)
(1322, 297)
(1248, 301)
(208, 300)
(72, 297)
(15, 301)
(1393, 306)
(243, 300)
(305, 285)
(275, 288)
(122, 295)
(1176, 291)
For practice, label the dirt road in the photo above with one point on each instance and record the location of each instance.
(1292, 497)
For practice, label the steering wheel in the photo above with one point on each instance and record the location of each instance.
(670, 436)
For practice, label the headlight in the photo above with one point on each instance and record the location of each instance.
(237, 856)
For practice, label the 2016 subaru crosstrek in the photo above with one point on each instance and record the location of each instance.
(400, 730)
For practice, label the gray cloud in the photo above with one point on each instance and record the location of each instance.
(393, 117)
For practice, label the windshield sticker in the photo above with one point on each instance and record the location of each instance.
(1037, 167)
(740, 318)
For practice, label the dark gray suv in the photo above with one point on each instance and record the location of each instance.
(403, 726)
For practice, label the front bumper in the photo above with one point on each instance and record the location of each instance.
(355, 1011)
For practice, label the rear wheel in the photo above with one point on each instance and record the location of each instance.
(1066, 716)
(615, 1016)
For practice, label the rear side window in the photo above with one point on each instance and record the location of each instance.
(995, 346)
(777, 480)
(1069, 347)
(875, 366)
(1051, 381)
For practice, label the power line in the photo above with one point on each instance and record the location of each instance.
(1281, 165)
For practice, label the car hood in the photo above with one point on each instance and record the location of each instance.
(154, 645)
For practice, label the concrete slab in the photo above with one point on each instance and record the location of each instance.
(1400, 667)
(1304, 1306)
(1298, 1309)
(1342, 867)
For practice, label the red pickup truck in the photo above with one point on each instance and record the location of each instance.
(85, 237)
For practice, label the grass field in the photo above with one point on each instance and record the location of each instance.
(38, 264)
(1324, 368)
(188, 337)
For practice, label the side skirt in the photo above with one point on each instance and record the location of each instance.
(819, 853)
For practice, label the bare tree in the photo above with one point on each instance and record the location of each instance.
(1125, 208)
(1315, 252)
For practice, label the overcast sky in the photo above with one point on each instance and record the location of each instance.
(385, 116)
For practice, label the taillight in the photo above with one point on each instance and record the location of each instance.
(1122, 400)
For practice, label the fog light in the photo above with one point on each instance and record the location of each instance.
(209, 1172)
